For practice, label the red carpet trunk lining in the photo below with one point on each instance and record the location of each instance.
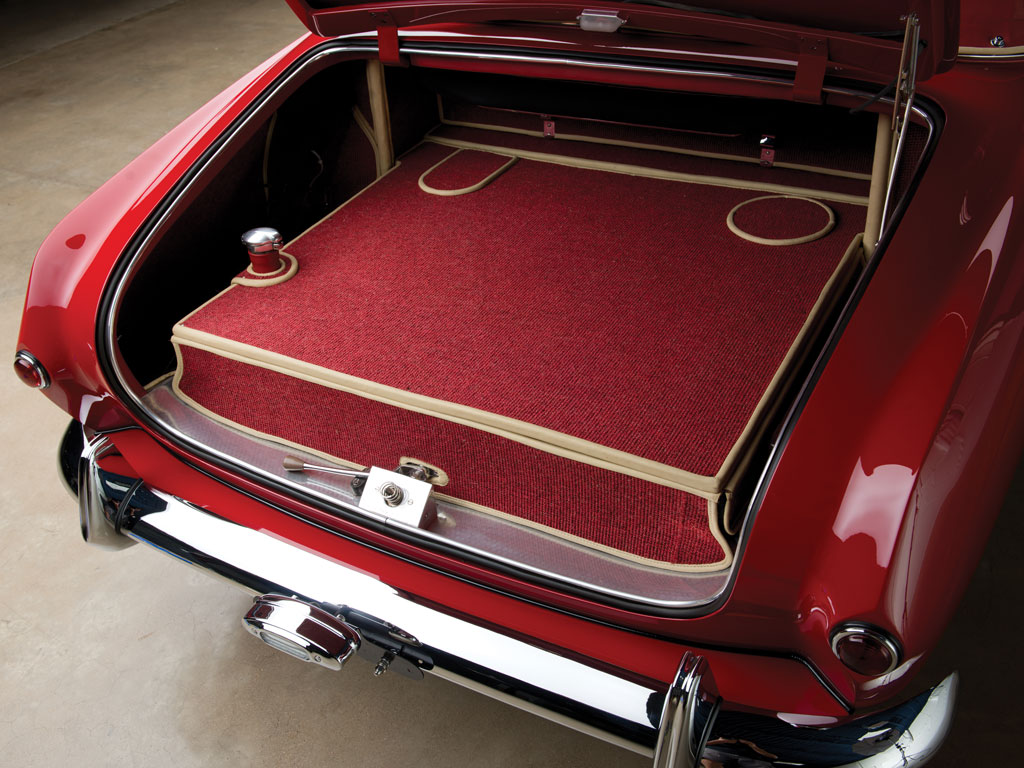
(588, 352)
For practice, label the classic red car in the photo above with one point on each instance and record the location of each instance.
(654, 368)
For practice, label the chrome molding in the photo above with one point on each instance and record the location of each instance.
(325, 609)
(692, 590)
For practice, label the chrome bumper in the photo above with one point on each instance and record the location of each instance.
(670, 724)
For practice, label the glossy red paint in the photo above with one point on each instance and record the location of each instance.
(77, 258)
(891, 480)
(886, 490)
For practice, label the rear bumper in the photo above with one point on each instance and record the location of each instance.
(669, 724)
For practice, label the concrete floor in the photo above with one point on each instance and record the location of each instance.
(130, 659)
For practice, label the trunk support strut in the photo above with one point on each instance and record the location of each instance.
(904, 97)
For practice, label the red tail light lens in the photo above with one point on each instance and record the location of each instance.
(30, 370)
(865, 649)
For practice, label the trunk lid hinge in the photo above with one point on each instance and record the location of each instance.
(902, 104)
(387, 38)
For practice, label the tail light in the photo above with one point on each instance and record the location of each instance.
(865, 649)
(30, 370)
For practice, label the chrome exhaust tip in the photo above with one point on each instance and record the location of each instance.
(301, 630)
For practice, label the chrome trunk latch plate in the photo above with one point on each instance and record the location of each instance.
(398, 497)
(402, 495)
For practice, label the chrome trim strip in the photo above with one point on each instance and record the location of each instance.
(569, 61)
(368, 47)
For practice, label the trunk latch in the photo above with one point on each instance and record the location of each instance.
(403, 495)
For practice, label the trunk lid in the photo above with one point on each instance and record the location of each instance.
(863, 38)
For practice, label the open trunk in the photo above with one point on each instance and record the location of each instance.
(589, 306)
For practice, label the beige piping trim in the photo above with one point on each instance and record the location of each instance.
(541, 438)
(658, 147)
(289, 267)
(758, 418)
(160, 378)
(995, 53)
(712, 516)
(730, 222)
(651, 173)
(740, 456)
(379, 111)
(465, 190)
(713, 527)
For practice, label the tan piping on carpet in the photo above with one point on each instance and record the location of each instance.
(730, 221)
(566, 446)
(465, 190)
(759, 418)
(740, 455)
(289, 267)
(541, 438)
(657, 147)
(995, 53)
(650, 173)
(713, 526)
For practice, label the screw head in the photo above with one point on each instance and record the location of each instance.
(997, 41)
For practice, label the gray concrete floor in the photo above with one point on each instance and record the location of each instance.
(130, 659)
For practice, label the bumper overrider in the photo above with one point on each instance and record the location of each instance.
(318, 610)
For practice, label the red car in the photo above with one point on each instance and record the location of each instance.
(654, 368)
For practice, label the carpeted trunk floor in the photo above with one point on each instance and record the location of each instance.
(576, 332)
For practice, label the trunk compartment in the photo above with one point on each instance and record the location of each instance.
(588, 305)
